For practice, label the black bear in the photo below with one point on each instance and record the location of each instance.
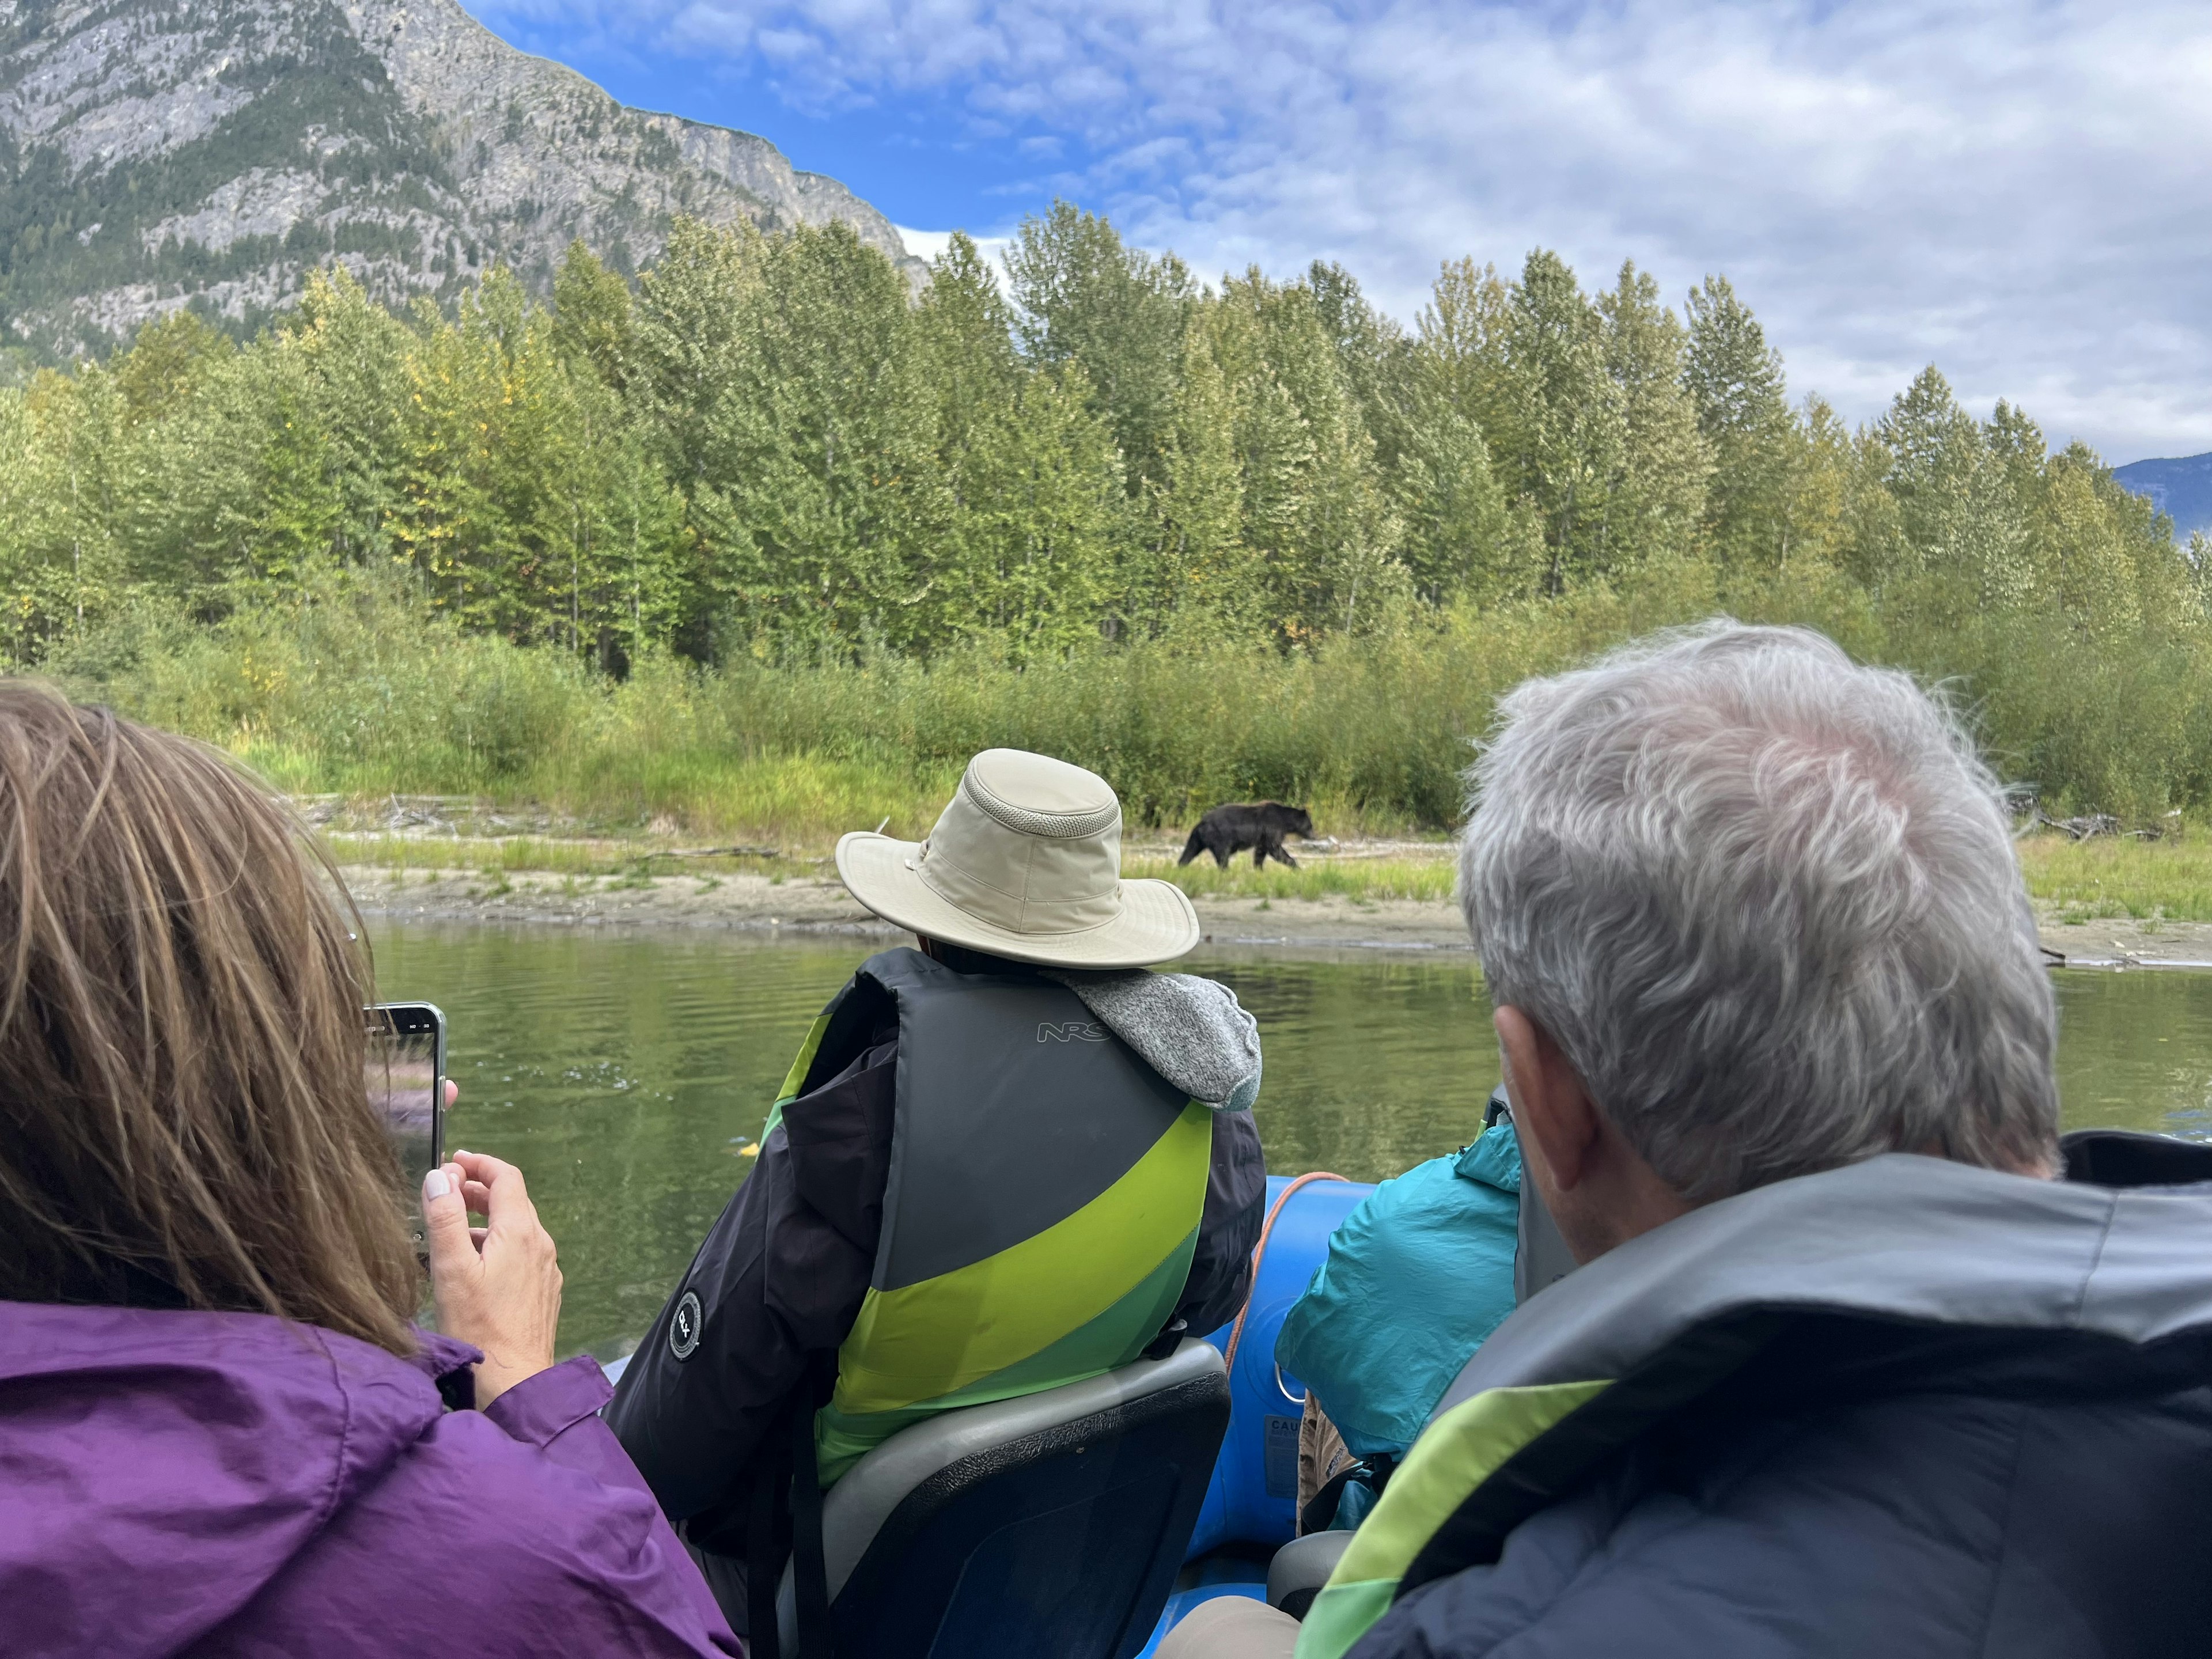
(1227, 830)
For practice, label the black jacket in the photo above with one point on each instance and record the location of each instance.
(784, 1270)
(2006, 1449)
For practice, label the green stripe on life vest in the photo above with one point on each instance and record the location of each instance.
(1112, 1341)
(1091, 1290)
(1457, 1453)
(795, 1078)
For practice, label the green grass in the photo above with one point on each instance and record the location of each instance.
(2164, 880)
(580, 860)
(598, 864)
(2168, 880)
(790, 802)
(368, 699)
(1361, 880)
(358, 693)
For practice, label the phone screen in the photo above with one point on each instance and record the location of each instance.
(406, 1065)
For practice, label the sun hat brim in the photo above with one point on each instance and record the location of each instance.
(1156, 924)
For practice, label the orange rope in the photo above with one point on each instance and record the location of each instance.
(1259, 1255)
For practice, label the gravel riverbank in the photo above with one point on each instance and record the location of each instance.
(815, 904)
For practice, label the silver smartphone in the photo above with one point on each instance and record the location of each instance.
(406, 1078)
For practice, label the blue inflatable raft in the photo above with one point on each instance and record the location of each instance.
(1251, 1505)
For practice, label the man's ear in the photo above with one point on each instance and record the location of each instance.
(1550, 1106)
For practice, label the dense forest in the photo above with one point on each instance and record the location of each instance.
(767, 459)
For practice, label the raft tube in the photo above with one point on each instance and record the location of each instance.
(1251, 1504)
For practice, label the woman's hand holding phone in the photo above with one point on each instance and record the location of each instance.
(497, 1286)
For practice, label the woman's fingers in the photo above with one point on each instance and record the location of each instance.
(506, 1195)
(510, 1306)
(446, 1223)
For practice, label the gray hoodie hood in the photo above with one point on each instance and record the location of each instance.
(1190, 1031)
(1899, 1237)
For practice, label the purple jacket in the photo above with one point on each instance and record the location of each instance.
(203, 1483)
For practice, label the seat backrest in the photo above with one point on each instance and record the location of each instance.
(1053, 1524)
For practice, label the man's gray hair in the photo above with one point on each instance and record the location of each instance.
(1765, 901)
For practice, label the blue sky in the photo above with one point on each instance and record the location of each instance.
(2017, 192)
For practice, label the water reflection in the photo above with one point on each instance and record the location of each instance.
(626, 1072)
(2135, 1051)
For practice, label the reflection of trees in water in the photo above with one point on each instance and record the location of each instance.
(621, 1071)
(2135, 1051)
(625, 1071)
(1371, 1065)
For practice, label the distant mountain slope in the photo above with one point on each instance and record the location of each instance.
(2182, 490)
(155, 153)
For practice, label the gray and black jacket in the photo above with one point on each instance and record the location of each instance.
(1907, 1408)
(783, 1272)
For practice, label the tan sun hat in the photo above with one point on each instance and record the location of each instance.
(1025, 862)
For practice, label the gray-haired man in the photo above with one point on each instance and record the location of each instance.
(1845, 1372)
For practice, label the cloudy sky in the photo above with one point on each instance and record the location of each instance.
(2016, 193)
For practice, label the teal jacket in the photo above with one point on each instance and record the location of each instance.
(1414, 1279)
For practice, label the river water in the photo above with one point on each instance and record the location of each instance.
(625, 1072)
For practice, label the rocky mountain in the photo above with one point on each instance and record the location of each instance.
(2180, 488)
(156, 154)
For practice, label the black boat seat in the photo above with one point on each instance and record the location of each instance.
(1054, 1524)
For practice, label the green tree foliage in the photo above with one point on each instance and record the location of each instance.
(65, 494)
(528, 504)
(768, 455)
(1736, 387)
(1317, 527)
(826, 498)
(1035, 513)
(1084, 297)
(1656, 499)
(592, 316)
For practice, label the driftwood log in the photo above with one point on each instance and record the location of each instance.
(2089, 825)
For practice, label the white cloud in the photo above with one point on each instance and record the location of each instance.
(928, 244)
(2014, 191)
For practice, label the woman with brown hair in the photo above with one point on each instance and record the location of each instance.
(220, 1431)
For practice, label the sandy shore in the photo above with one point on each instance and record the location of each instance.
(810, 904)
(2124, 944)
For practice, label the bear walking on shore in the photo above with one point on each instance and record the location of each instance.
(1227, 830)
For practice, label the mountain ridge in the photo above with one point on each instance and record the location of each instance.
(2180, 486)
(161, 154)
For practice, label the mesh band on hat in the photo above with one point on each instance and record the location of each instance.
(1059, 826)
